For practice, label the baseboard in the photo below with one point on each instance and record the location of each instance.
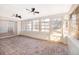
(7, 36)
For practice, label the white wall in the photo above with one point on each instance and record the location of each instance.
(7, 25)
(73, 44)
(3, 26)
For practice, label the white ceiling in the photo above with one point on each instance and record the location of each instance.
(7, 10)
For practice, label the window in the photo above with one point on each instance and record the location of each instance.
(29, 26)
(36, 25)
(45, 25)
(73, 23)
(56, 29)
(56, 24)
(23, 25)
(26, 26)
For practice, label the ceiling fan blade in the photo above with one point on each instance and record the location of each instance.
(33, 9)
(36, 12)
(28, 9)
(13, 15)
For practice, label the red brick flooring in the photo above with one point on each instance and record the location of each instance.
(21, 45)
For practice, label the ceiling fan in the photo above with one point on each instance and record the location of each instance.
(33, 11)
(18, 16)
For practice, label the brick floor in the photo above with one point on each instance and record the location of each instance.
(21, 45)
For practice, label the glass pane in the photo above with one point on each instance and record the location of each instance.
(73, 23)
(44, 30)
(56, 24)
(45, 20)
(29, 26)
(44, 26)
(36, 25)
